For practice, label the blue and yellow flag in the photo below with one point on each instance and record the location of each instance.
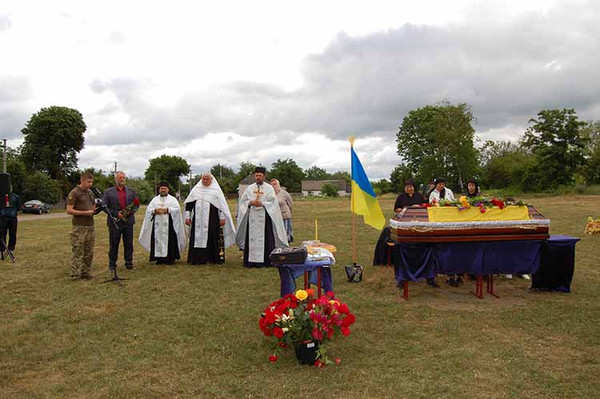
(364, 201)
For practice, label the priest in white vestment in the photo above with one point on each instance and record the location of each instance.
(163, 234)
(260, 226)
(211, 226)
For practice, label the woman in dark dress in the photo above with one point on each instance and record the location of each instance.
(409, 197)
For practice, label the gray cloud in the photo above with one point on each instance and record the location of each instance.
(15, 95)
(507, 68)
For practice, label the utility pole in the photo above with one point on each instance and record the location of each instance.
(4, 157)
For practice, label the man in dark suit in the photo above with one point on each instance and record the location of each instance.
(122, 202)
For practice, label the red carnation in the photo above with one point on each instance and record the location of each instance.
(136, 201)
(273, 358)
(319, 364)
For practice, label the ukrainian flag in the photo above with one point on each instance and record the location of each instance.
(364, 201)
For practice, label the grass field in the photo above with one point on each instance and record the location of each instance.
(192, 331)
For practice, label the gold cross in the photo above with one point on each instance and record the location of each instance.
(258, 194)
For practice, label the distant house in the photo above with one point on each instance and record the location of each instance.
(244, 183)
(313, 187)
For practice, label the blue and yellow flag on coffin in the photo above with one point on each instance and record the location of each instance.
(364, 200)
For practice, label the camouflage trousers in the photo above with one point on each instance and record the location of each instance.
(82, 240)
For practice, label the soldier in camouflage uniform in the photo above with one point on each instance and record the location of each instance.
(80, 204)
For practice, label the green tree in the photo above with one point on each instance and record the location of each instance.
(16, 168)
(591, 168)
(144, 189)
(222, 172)
(315, 173)
(167, 168)
(246, 168)
(382, 186)
(329, 190)
(556, 141)
(438, 141)
(399, 175)
(53, 138)
(41, 187)
(505, 164)
(289, 174)
(341, 175)
(226, 177)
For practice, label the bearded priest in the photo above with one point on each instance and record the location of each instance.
(162, 232)
(260, 226)
(211, 225)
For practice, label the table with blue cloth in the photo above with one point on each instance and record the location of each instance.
(317, 272)
(551, 262)
(418, 261)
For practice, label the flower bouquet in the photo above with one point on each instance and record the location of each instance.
(479, 202)
(129, 209)
(301, 318)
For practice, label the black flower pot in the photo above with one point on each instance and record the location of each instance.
(306, 352)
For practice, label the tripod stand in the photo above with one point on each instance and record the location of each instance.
(115, 278)
(9, 253)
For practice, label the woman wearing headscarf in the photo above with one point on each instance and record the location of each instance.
(409, 197)
(286, 204)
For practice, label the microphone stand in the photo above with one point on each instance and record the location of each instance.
(8, 251)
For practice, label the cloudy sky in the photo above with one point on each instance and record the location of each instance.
(232, 81)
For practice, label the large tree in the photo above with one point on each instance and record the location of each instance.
(315, 173)
(246, 168)
(53, 138)
(438, 141)
(167, 168)
(505, 164)
(40, 186)
(289, 174)
(226, 177)
(591, 171)
(556, 141)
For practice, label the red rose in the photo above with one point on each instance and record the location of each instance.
(338, 360)
(278, 332)
(136, 201)
(345, 331)
(273, 358)
(319, 364)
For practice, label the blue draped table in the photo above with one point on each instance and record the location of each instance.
(289, 273)
(417, 261)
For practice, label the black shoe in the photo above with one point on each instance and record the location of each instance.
(85, 276)
(459, 281)
(451, 282)
(431, 282)
(129, 267)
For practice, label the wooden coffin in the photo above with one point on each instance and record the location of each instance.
(412, 225)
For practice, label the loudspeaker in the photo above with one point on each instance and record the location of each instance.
(5, 190)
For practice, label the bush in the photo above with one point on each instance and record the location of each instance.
(329, 190)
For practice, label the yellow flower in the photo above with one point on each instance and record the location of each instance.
(464, 202)
(301, 295)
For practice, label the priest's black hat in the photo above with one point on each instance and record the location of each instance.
(164, 184)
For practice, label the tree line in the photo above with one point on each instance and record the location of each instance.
(438, 140)
(556, 150)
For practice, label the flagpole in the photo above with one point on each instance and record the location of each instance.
(351, 139)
